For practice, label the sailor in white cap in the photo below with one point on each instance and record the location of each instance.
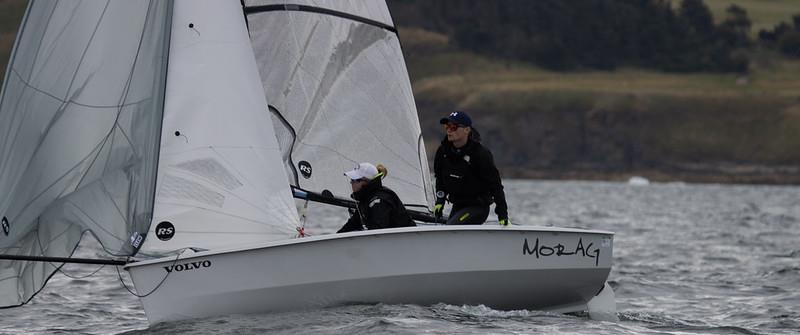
(378, 206)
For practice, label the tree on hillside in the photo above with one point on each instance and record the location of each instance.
(592, 34)
(697, 17)
(736, 26)
(784, 37)
(789, 44)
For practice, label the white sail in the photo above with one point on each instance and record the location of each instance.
(336, 80)
(220, 178)
(80, 117)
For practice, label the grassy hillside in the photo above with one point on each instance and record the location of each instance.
(701, 127)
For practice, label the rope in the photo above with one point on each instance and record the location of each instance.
(119, 275)
(80, 277)
(301, 231)
(58, 267)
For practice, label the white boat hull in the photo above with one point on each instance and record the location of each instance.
(498, 267)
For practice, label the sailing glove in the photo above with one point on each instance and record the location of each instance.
(437, 211)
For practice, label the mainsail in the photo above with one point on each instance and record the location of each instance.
(80, 119)
(335, 77)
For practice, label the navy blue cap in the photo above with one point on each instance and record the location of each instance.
(457, 117)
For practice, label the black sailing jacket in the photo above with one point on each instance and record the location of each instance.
(468, 177)
(378, 207)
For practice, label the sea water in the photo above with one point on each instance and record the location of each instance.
(688, 259)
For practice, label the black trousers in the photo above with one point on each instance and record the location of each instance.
(468, 214)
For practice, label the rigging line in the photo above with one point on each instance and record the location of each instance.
(122, 281)
(9, 277)
(83, 231)
(58, 114)
(80, 277)
(86, 49)
(90, 219)
(125, 94)
(119, 112)
(122, 216)
(44, 282)
(318, 10)
(59, 268)
(56, 181)
(70, 101)
(13, 142)
(60, 111)
(103, 245)
(96, 156)
(55, 38)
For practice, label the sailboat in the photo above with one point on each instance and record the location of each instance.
(167, 131)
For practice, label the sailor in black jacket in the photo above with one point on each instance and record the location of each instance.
(378, 206)
(466, 175)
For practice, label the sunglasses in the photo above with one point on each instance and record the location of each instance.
(354, 181)
(452, 126)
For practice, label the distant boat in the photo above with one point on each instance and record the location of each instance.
(167, 130)
(638, 181)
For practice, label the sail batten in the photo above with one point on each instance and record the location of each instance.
(318, 10)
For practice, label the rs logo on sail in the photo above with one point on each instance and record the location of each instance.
(188, 266)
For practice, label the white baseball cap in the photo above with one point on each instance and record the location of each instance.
(362, 171)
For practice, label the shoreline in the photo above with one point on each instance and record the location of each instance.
(789, 178)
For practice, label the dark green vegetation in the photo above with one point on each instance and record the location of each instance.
(683, 115)
(589, 34)
(10, 14)
(605, 89)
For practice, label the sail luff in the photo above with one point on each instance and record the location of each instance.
(156, 145)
